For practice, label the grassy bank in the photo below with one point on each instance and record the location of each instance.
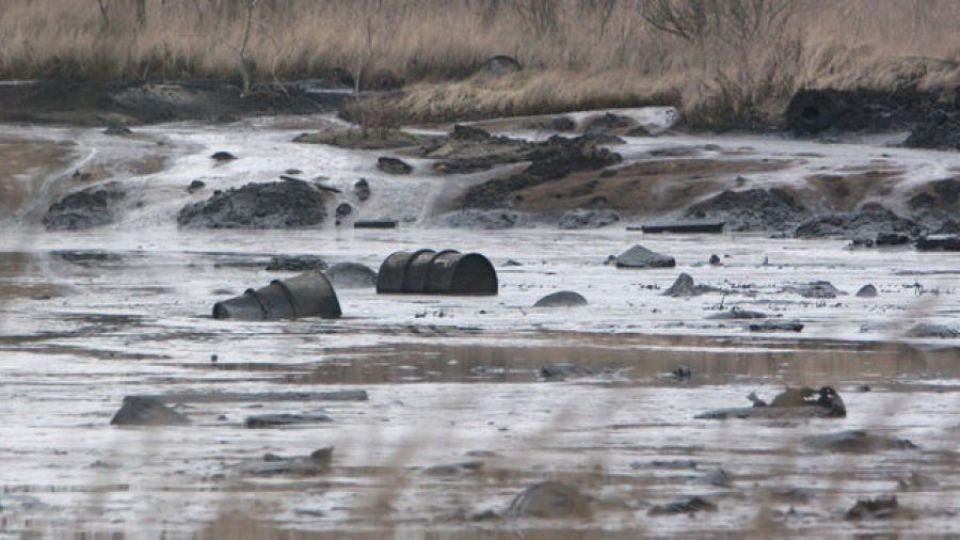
(733, 62)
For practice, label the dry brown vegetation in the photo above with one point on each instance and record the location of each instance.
(722, 61)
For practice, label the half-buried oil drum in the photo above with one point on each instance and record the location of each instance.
(307, 295)
(392, 275)
(455, 273)
(416, 278)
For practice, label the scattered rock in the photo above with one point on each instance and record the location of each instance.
(260, 397)
(776, 326)
(559, 371)
(685, 506)
(928, 330)
(751, 210)
(684, 287)
(715, 260)
(146, 411)
(561, 299)
(680, 374)
(223, 156)
(856, 441)
(361, 189)
(736, 313)
(556, 123)
(454, 469)
(391, 165)
(867, 291)
(641, 257)
(286, 419)
(317, 463)
(343, 211)
(588, 219)
(814, 289)
(295, 263)
(85, 209)
(196, 186)
(349, 275)
(879, 508)
(552, 500)
(511, 262)
(792, 403)
(269, 205)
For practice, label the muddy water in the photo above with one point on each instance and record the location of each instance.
(91, 317)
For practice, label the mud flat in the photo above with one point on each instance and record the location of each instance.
(470, 401)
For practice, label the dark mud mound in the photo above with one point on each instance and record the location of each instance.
(871, 221)
(553, 160)
(270, 205)
(815, 111)
(856, 441)
(582, 218)
(752, 210)
(940, 130)
(561, 299)
(91, 207)
(93, 103)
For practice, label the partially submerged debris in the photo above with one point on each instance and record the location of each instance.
(309, 294)
(641, 257)
(856, 441)
(286, 419)
(454, 469)
(147, 411)
(684, 506)
(431, 272)
(223, 156)
(793, 402)
(776, 326)
(938, 242)
(553, 500)
(259, 397)
(561, 299)
(317, 463)
(879, 508)
(736, 313)
(684, 228)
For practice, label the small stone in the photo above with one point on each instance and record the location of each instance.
(867, 291)
(715, 260)
(552, 500)
(146, 411)
(362, 189)
(391, 165)
(686, 506)
(223, 156)
(641, 257)
(561, 299)
(196, 186)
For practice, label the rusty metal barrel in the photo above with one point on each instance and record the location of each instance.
(430, 272)
(307, 295)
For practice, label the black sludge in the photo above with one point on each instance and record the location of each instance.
(430, 272)
(307, 295)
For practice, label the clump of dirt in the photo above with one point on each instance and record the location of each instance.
(753, 209)
(268, 205)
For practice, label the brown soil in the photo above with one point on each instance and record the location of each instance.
(844, 193)
(23, 163)
(645, 187)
